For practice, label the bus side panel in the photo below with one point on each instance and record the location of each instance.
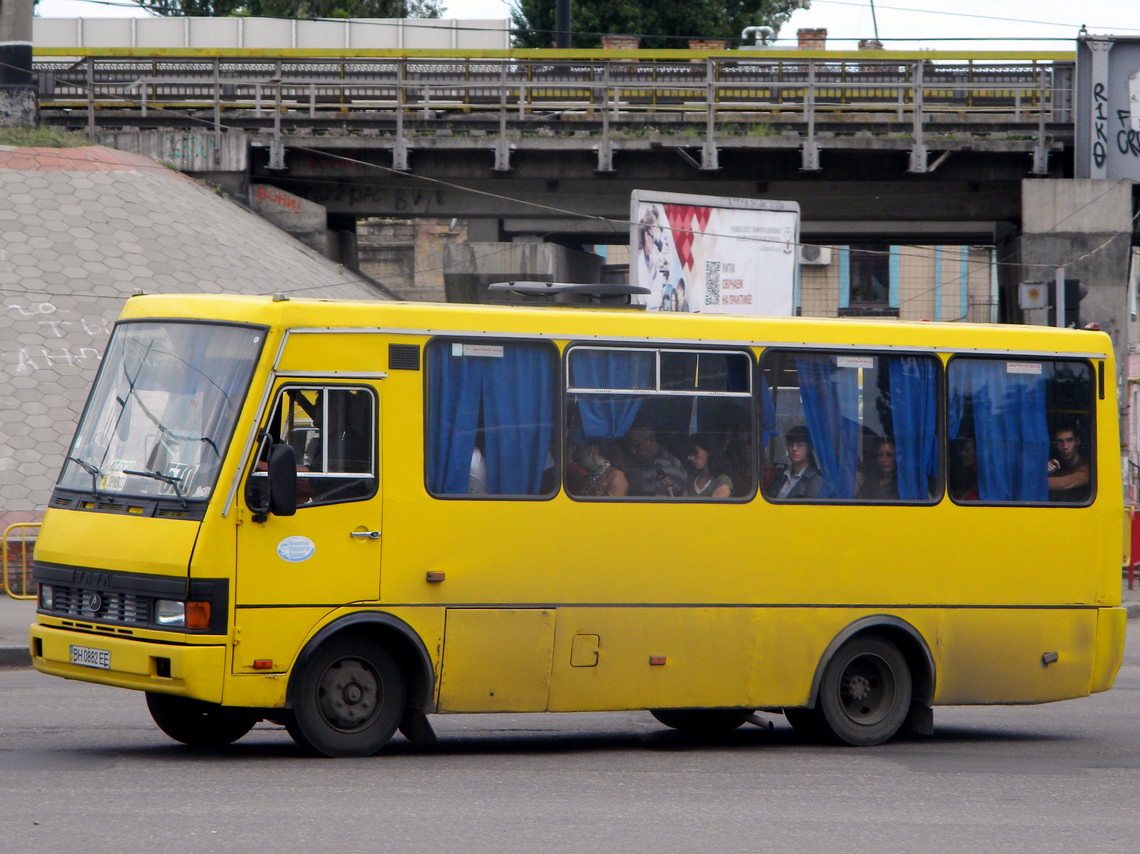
(697, 657)
(496, 660)
(1002, 655)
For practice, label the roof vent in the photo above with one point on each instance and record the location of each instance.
(564, 293)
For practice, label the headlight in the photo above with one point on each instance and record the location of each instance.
(170, 612)
(176, 614)
(47, 597)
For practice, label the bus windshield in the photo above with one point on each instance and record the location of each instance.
(162, 410)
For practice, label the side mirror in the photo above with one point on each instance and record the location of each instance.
(282, 480)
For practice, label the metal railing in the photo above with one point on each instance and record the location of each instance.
(711, 97)
(16, 560)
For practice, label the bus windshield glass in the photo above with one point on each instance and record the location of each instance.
(162, 410)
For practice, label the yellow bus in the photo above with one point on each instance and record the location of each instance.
(345, 517)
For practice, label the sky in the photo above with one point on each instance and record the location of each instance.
(901, 24)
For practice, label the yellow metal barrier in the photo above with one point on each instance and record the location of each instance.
(16, 581)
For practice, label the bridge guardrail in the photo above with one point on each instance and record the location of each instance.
(709, 93)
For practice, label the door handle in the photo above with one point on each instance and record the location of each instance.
(365, 535)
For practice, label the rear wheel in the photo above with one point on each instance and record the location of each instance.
(348, 700)
(865, 692)
(702, 721)
(198, 723)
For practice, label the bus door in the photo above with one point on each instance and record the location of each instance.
(328, 553)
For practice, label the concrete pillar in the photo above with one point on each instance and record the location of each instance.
(1084, 225)
(307, 221)
(19, 106)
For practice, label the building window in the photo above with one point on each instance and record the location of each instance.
(869, 280)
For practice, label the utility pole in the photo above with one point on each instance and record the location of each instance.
(19, 106)
(562, 23)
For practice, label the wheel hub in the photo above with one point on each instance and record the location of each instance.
(866, 690)
(348, 694)
(859, 687)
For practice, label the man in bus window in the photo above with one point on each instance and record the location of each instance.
(801, 479)
(651, 470)
(1069, 472)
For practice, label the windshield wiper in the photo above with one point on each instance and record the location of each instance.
(164, 478)
(154, 419)
(92, 470)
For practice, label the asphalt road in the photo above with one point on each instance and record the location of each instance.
(83, 768)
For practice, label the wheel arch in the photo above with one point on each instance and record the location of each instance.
(903, 635)
(400, 639)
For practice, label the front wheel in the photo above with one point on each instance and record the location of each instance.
(702, 721)
(348, 700)
(198, 723)
(865, 692)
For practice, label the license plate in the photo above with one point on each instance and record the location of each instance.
(87, 656)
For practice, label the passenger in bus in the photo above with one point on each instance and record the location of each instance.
(599, 478)
(801, 479)
(964, 471)
(709, 478)
(650, 469)
(1069, 472)
(881, 484)
(477, 473)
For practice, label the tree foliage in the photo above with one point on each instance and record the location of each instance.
(664, 24)
(296, 8)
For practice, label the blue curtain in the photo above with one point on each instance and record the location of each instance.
(830, 397)
(514, 393)
(768, 429)
(518, 418)
(914, 414)
(1010, 428)
(610, 416)
(453, 417)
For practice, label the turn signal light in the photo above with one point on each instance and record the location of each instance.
(197, 615)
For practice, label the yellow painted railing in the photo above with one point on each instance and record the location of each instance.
(16, 560)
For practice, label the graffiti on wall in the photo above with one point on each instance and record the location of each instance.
(61, 337)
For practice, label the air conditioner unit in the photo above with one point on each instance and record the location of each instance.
(808, 254)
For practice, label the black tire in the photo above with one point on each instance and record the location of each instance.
(348, 700)
(702, 721)
(809, 724)
(865, 692)
(198, 723)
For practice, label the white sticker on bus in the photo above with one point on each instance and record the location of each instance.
(491, 351)
(867, 362)
(296, 549)
(1023, 367)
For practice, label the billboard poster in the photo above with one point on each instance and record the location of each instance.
(712, 254)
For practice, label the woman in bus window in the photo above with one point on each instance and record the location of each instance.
(709, 478)
(882, 483)
(600, 478)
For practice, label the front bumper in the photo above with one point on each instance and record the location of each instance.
(194, 671)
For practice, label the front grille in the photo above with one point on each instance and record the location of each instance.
(129, 609)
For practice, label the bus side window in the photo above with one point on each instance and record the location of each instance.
(1021, 430)
(661, 423)
(850, 427)
(491, 411)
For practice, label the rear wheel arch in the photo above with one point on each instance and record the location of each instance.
(903, 635)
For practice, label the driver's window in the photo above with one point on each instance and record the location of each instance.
(333, 434)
